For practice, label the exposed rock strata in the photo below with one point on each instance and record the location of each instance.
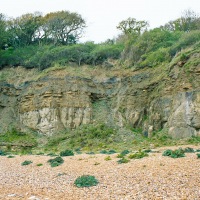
(53, 104)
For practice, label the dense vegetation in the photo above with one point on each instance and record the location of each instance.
(36, 41)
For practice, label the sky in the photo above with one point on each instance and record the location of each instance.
(102, 16)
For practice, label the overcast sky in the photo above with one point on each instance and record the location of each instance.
(102, 16)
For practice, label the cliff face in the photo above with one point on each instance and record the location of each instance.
(149, 99)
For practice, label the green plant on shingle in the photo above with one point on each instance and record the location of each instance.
(39, 164)
(103, 152)
(138, 155)
(107, 152)
(178, 153)
(56, 161)
(189, 150)
(147, 151)
(112, 151)
(107, 158)
(2, 153)
(90, 153)
(123, 153)
(26, 162)
(86, 181)
(123, 160)
(52, 154)
(167, 152)
(10, 156)
(67, 152)
(198, 155)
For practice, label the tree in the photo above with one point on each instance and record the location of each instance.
(3, 34)
(187, 22)
(22, 29)
(63, 27)
(132, 26)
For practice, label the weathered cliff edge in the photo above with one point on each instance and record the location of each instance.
(149, 99)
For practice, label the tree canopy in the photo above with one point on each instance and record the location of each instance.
(57, 28)
(132, 26)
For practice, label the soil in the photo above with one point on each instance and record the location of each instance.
(154, 177)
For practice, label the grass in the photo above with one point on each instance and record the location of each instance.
(86, 181)
(24, 141)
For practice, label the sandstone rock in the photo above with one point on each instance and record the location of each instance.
(50, 105)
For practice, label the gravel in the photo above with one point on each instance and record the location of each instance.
(155, 177)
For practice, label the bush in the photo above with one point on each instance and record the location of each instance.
(67, 152)
(138, 155)
(198, 155)
(26, 162)
(86, 181)
(40, 164)
(56, 161)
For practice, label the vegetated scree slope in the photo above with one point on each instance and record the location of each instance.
(139, 91)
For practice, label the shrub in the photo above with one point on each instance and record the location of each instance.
(26, 162)
(123, 160)
(198, 155)
(67, 152)
(86, 181)
(56, 161)
(138, 155)
(40, 164)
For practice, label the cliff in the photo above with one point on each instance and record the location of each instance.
(152, 99)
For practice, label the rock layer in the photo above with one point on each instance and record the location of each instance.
(142, 100)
